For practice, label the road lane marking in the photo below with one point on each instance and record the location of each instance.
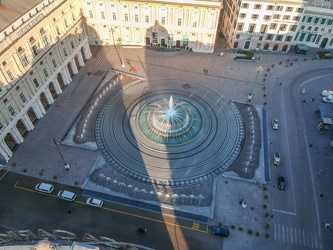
(3, 167)
(284, 212)
(124, 213)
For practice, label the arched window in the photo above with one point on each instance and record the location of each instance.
(32, 40)
(20, 50)
(266, 46)
(275, 48)
(42, 31)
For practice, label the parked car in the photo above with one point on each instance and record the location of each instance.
(44, 188)
(328, 99)
(276, 159)
(67, 195)
(94, 202)
(220, 231)
(327, 92)
(281, 183)
(275, 124)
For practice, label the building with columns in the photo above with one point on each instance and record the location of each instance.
(43, 44)
(188, 24)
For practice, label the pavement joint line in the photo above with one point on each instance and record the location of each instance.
(2, 167)
(284, 212)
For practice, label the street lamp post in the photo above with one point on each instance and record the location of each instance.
(121, 51)
(66, 165)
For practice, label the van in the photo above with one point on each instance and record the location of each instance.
(67, 195)
(44, 188)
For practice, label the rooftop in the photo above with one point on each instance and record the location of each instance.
(11, 10)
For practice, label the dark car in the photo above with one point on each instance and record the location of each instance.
(220, 231)
(281, 183)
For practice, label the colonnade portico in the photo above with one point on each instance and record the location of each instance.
(36, 104)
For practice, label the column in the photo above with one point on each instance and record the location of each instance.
(79, 56)
(27, 122)
(5, 152)
(40, 106)
(48, 96)
(75, 70)
(67, 76)
(36, 110)
(16, 135)
(86, 50)
(57, 87)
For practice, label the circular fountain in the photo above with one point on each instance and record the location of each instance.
(170, 121)
(169, 132)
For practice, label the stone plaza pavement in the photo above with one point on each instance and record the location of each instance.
(39, 157)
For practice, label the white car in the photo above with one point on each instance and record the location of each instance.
(94, 202)
(44, 188)
(327, 92)
(328, 99)
(275, 124)
(67, 195)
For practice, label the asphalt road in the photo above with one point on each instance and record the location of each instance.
(296, 208)
(23, 208)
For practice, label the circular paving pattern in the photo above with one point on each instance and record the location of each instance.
(193, 155)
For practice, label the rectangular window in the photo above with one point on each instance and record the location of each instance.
(263, 28)
(276, 16)
(330, 22)
(102, 15)
(114, 16)
(147, 19)
(283, 27)
(194, 23)
(245, 5)
(261, 38)
(309, 19)
(242, 15)
(269, 37)
(278, 38)
(288, 38)
(254, 16)
(24, 59)
(279, 8)
(267, 17)
(310, 27)
(36, 82)
(23, 99)
(45, 40)
(292, 27)
(302, 27)
(252, 27)
(308, 39)
(10, 74)
(163, 20)
(240, 27)
(237, 36)
(318, 39)
(316, 20)
(286, 17)
(296, 18)
(11, 110)
(270, 7)
(91, 14)
(289, 9)
(331, 42)
(257, 6)
(45, 72)
(1, 126)
(179, 22)
(54, 63)
(65, 52)
(136, 18)
(273, 26)
(126, 17)
(299, 10)
(316, 29)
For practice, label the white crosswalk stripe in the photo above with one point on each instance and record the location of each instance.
(297, 236)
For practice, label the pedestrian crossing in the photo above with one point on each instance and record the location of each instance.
(304, 238)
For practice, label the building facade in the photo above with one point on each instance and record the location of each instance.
(270, 26)
(40, 52)
(176, 24)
